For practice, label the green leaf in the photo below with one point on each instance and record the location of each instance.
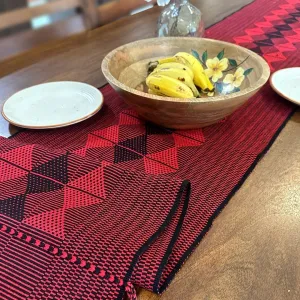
(248, 71)
(233, 62)
(196, 54)
(204, 57)
(221, 54)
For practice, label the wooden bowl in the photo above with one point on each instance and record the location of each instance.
(125, 68)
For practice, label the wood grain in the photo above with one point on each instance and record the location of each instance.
(252, 251)
(79, 57)
(24, 40)
(10, 45)
(104, 39)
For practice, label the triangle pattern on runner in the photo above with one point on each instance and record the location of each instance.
(183, 141)
(156, 168)
(125, 119)
(274, 35)
(155, 129)
(80, 152)
(38, 184)
(264, 24)
(41, 202)
(13, 207)
(50, 221)
(279, 12)
(286, 47)
(167, 157)
(291, 20)
(122, 154)
(272, 18)
(57, 168)
(9, 171)
(21, 156)
(243, 39)
(75, 198)
(273, 57)
(293, 39)
(196, 134)
(284, 27)
(110, 133)
(78, 215)
(254, 31)
(137, 144)
(97, 142)
(92, 183)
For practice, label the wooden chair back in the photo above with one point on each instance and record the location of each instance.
(115, 9)
(86, 17)
(89, 16)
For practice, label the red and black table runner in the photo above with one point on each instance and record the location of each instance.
(89, 211)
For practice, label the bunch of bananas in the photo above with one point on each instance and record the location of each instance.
(178, 76)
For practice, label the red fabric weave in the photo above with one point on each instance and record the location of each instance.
(86, 211)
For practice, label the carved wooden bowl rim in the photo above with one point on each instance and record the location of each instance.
(255, 86)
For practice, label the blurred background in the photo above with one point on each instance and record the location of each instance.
(25, 24)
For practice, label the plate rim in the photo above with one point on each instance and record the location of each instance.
(60, 125)
(278, 91)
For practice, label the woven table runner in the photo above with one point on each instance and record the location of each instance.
(89, 211)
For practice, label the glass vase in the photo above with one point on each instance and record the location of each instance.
(180, 18)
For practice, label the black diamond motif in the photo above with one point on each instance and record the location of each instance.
(138, 144)
(262, 43)
(290, 20)
(122, 154)
(274, 35)
(284, 27)
(154, 129)
(257, 50)
(56, 168)
(13, 207)
(296, 14)
(37, 184)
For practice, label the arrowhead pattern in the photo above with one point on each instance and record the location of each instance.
(274, 36)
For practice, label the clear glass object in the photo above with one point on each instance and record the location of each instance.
(180, 18)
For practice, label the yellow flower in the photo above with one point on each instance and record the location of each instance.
(235, 80)
(215, 68)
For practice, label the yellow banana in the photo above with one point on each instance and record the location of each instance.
(174, 59)
(169, 86)
(165, 60)
(194, 62)
(177, 66)
(152, 92)
(209, 84)
(178, 74)
(200, 78)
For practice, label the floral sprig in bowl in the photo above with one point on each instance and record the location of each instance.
(226, 74)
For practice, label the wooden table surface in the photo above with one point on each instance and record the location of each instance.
(253, 248)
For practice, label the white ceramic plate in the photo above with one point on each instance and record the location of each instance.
(52, 105)
(286, 83)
